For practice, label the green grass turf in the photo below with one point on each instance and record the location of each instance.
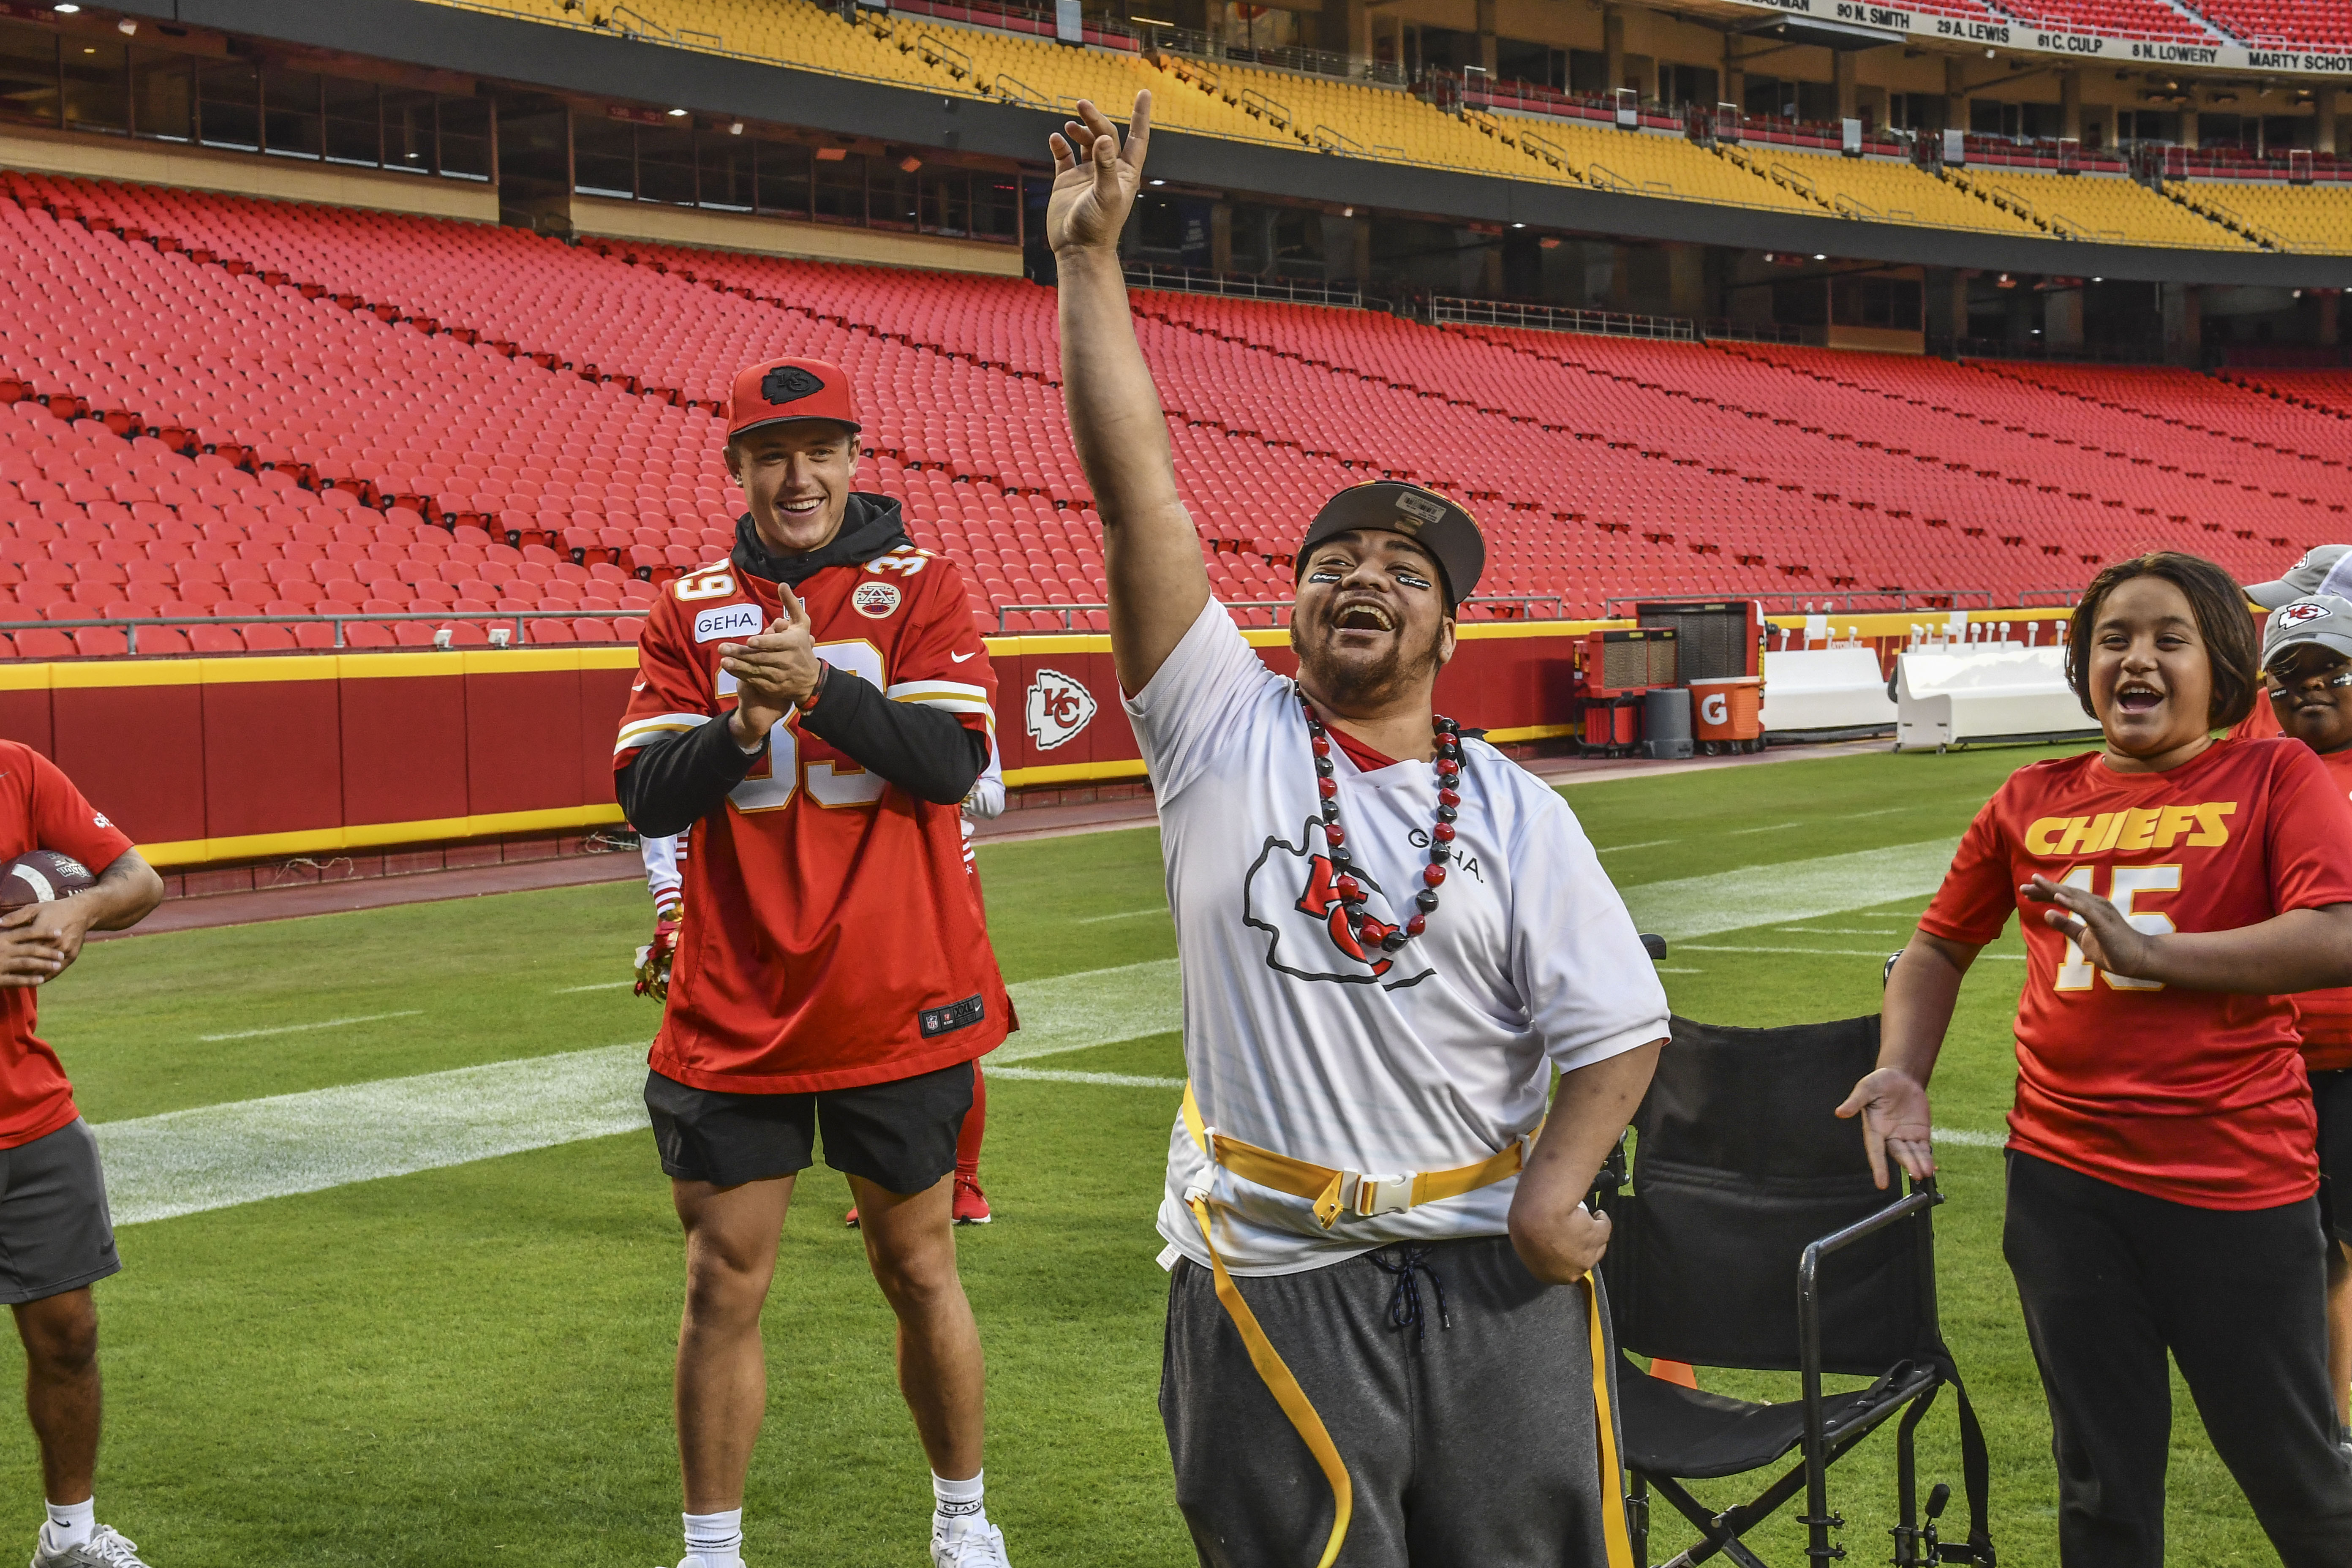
(472, 1364)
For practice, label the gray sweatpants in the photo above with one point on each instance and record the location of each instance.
(1471, 1445)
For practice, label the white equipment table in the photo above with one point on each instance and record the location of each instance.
(1826, 691)
(2001, 692)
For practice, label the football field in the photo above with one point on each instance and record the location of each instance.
(401, 1282)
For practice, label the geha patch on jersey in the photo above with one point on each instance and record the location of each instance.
(727, 621)
(1292, 894)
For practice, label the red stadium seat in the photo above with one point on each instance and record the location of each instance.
(101, 642)
(215, 639)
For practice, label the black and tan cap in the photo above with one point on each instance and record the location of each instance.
(1438, 523)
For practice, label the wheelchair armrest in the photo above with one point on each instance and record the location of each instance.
(1923, 1195)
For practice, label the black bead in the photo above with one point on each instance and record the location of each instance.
(1437, 854)
(1323, 767)
(1392, 942)
(1330, 811)
(1339, 856)
(1426, 899)
(1447, 812)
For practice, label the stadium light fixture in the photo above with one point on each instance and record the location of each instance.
(1519, 225)
(127, 27)
(735, 128)
(1821, 259)
(1159, 182)
(66, 10)
(678, 114)
(909, 163)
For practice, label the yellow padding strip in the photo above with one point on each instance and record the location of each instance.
(1614, 1534)
(1279, 1382)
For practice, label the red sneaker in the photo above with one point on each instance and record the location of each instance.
(850, 1219)
(970, 1202)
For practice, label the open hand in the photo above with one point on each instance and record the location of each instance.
(1095, 179)
(1893, 1106)
(2098, 927)
(774, 671)
(39, 940)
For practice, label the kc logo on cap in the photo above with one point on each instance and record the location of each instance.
(2295, 615)
(789, 383)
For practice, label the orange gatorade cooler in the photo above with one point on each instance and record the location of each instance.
(1727, 714)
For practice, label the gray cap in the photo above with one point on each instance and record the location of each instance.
(1438, 523)
(2320, 619)
(2323, 569)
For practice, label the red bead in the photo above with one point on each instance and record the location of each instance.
(1442, 832)
(1328, 788)
(1448, 797)
(1334, 833)
(1350, 890)
(1433, 874)
(1321, 746)
(1416, 925)
(1447, 768)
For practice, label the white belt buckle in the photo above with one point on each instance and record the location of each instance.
(1386, 1193)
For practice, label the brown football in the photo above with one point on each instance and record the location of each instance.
(40, 878)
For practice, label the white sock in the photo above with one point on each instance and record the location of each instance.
(956, 1506)
(717, 1539)
(71, 1522)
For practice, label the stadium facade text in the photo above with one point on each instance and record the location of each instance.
(2080, 46)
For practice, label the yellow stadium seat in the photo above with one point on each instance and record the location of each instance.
(2095, 207)
(2296, 217)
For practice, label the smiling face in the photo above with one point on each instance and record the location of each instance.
(2151, 679)
(1370, 622)
(2311, 691)
(797, 478)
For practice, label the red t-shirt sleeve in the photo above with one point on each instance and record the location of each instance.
(2310, 833)
(64, 821)
(1978, 892)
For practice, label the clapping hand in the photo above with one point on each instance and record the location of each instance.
(774, 671)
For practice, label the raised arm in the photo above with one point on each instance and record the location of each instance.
(1150, 549)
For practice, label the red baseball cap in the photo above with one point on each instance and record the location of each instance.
(781, 390)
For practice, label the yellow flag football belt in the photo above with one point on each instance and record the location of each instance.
(1338, 1194)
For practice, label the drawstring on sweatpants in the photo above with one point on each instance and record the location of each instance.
(1404, 1299)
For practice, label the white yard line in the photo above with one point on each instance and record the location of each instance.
(1833, 952)
(1122, 915)
(600, 985)
(321, 1023)
(186, 1162)
(1645, 844)
(210, 1157)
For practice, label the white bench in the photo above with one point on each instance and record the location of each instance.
(1823, 690)
(2003, 693)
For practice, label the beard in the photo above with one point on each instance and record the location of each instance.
(1368, 679)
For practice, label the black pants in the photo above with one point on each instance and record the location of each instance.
(2111, 1279)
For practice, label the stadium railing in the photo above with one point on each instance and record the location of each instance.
(1844, 602)
(1448, 310)
(1243, 286)
(1513, 607)
(492, 626)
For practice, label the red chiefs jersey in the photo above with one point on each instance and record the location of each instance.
(2197, 1097)
(832, 936)
(40, 809)
(2327, 1015)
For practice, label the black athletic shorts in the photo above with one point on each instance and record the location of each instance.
(2331, 1094)
(55, 1232)
(900, 1135)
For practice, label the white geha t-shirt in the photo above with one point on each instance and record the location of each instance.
(1435, 1056)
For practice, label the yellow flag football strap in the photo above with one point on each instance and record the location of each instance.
(1338, 1193)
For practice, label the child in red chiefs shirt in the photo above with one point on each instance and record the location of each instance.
(2174, 892)
(2307, 666)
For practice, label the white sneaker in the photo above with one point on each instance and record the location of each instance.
(693, 1559)
(977, 1545)
(104, 1549)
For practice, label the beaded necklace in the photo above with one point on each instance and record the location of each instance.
(1441, 835)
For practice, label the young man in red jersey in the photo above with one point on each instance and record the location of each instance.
(2308, 667)
(2161, 1179)
(55, 1239)
(811, 712)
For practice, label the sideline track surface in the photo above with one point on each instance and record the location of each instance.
(217, 1156)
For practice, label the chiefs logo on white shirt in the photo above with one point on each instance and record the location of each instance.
(1292, 894)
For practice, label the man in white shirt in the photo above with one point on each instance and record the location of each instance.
(1390, 937)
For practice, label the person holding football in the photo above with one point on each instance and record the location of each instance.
(2174, 892)
(56, 1237)
(812, 710)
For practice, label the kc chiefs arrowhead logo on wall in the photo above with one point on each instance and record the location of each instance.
(1059, 707)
